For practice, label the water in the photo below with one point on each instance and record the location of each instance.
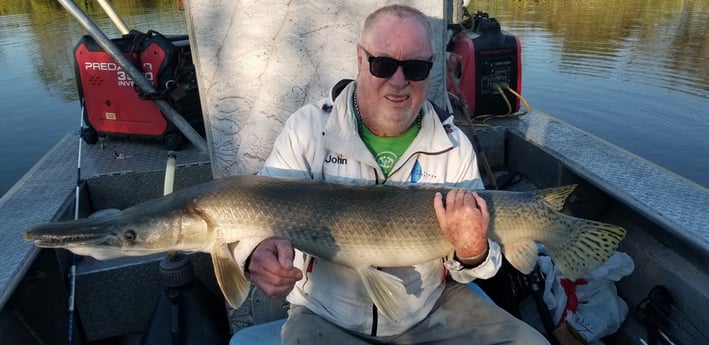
(635, 73)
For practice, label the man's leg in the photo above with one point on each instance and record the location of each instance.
(304, 327)
(463, 317)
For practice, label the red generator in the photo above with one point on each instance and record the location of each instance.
(484, 60)
(114, 106)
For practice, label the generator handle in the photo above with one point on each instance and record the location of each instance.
(138, 78)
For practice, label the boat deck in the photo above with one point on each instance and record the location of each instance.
(665, 215)
(39, 196)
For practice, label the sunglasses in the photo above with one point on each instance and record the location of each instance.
(385, 67)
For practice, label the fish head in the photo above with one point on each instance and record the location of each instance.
(133, 232)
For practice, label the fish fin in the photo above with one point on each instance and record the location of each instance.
(231, 280)
(555, 197)
(386, 290)
(522, 255)
(589, 246)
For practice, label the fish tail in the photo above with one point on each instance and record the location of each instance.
(589, 246)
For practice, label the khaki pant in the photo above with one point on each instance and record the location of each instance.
(459, 317)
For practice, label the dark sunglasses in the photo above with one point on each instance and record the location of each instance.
(385, 67)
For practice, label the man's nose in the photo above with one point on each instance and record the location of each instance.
(398, 79)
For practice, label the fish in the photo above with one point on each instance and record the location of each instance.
(360, 226)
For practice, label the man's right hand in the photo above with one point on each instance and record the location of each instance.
(271, 267)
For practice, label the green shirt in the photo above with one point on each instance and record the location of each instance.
(388, 150)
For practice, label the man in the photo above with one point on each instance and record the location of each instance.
(381, 129)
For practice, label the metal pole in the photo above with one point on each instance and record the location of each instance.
(135, 74)
(117, 20)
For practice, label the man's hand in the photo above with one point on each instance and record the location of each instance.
(464, 221)
(270, 267)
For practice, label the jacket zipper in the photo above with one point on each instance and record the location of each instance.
(411, 156)
(375, 316)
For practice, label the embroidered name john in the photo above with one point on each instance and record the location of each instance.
(336, 160)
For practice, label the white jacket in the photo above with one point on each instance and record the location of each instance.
(320, 141)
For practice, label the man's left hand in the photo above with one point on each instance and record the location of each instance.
(464, 221)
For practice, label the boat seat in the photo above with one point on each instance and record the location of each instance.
(269, 333)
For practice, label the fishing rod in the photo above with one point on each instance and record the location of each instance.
(72, 270)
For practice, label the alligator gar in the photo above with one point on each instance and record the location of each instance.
(362, 227)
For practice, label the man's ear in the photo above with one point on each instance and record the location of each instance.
(360, 56)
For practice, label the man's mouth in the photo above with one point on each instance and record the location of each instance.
(396, 98)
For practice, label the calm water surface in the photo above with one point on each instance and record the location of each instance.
(633, 72)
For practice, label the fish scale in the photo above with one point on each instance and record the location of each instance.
(359, 226)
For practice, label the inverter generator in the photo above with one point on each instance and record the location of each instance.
(485, 62)
(115, 107)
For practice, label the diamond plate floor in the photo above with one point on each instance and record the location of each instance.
(38, 196)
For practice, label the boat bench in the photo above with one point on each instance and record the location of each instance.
(269, 333)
